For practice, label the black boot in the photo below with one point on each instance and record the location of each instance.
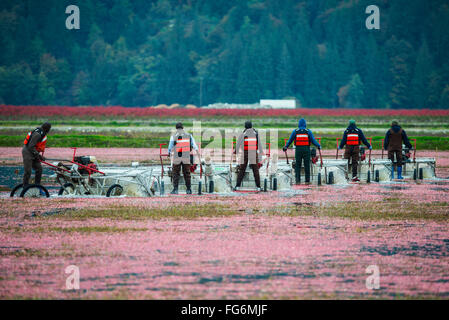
(175, 191)
(189, 191)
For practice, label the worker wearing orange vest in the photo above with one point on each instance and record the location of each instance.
(302, 137)
(252, 151)
(352, 138)
(33, 144)
(182, 143)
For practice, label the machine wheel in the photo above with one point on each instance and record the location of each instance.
(34, 191)
(211, 186)
(114, 191)
(421, 174)
(377, 178)
(330, 179)
(16, 190)
(67, 190)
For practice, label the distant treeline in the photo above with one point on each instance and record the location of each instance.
(150, 52)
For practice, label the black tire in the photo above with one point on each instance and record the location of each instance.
(211, 186)
(113, 190)
(32, 188)
(330, 179)
(17, 189)
(377, 176)
(63, 188)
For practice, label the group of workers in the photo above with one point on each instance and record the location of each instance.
(351, 141)
(248, 143)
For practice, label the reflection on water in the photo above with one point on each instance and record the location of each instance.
(12, 175)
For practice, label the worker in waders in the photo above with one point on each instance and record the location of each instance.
(34, 143)
(394, 138)
(182, 143)
(302, 137)
(352, 137)
(252, 152)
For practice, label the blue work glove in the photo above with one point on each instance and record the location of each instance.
(284, 149)
(339, 148)
(370, 148)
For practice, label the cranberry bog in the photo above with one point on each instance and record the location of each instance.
(309, 242)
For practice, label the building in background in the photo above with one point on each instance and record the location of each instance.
(278, 104)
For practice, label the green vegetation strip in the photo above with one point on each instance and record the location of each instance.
(142, 141)
(89, 141)
(389, 209)
(138, 213)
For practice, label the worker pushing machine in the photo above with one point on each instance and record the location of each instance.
(252, 151)
(393, 143)
(352, 138)
(34, 143)
(182, 143)
(302, 138)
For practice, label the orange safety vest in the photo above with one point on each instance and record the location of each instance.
(250, 143)
(40, 146)
(183, 144)
(302, 138)
(352, 139)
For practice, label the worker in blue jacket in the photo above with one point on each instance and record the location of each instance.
(302, 137)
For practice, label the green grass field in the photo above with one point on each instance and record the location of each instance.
(431, 133)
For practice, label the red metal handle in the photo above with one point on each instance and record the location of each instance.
(74, 152)
(52, 165)
(160, 150)
(86, 167)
